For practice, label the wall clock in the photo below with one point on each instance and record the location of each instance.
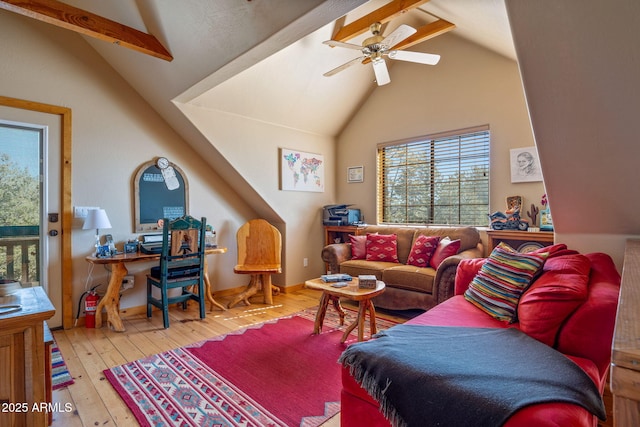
(168, 173)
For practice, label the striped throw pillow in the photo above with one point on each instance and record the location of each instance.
(501, 281)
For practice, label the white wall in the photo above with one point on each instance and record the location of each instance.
(470, 86)
(252, 147)
(114, 132)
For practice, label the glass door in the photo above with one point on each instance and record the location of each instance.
(30, 245)
(20, 203)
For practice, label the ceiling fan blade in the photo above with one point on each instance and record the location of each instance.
(419, 57)
(397, 35)
(344, 66)
(334, 43)
(381, 71)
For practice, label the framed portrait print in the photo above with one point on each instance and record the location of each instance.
(525, 166)
(355, 174)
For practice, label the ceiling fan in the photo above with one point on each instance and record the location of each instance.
(376, 47)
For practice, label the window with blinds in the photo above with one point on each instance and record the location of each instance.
(438, 179)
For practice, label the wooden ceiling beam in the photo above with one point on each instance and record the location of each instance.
(384, 14)
(426, 32)
(423, 33)
(89, 24)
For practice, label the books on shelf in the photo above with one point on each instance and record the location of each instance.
(335, 278)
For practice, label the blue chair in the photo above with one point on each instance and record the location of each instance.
(181, 266)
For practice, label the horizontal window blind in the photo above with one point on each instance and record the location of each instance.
(441, 179)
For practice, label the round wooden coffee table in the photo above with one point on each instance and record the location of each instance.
(353, 292)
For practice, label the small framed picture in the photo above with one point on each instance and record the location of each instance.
(525, 166)
(355, 174)
(131, 247)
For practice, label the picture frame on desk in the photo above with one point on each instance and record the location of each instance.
(131, 247)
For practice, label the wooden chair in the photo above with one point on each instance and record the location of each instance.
(259, 252)
(181, 266)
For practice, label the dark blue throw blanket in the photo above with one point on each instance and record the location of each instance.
(453, 376)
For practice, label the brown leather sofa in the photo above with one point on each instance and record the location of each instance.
(408, 287)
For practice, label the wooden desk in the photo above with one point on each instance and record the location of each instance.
(111, 299)
(352, 292)
(22, 358)
(625, 357)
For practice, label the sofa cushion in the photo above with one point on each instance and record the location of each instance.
(446, 247)
(561, 288)
(358, 246)
(382, 247)
(356, 267)
(501, 281)
(409, 277)
(422, 250)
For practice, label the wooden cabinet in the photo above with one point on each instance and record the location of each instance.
(22, 358)
(339, 233)
(625, 357)
(523, 241)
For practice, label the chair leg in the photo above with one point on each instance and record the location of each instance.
(149, 299)
(267, 288)
(165, 307)
(251, 290)
(202, 299)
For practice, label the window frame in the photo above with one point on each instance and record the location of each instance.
(430, 141)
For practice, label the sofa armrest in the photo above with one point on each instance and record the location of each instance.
(444, 282)
(335, 254)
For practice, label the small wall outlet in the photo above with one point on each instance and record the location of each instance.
(305, 262)
(81, 211)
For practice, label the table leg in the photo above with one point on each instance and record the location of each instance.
(338, 307)
(322, 311)
(207, 290)
(363, 306)
(372, 319)
(111, 299)
(362, 314)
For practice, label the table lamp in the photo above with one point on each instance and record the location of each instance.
(96, 218)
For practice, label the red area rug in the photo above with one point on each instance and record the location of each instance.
(274, 374)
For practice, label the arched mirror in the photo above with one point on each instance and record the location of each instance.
(161, 190)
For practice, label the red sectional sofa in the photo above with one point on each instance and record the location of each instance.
(571, 306)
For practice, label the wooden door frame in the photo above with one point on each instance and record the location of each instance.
(65, 197)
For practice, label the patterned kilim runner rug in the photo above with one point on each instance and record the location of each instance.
(60, 376)
(273, 374)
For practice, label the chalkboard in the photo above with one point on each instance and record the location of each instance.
(154, 201)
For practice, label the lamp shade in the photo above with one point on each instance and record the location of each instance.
(96, 218)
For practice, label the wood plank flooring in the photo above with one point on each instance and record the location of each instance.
(93, 402)
(87, 352)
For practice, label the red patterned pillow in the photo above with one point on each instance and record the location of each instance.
(446, 248)
(358, 246)
(422, 250)
(382, 247)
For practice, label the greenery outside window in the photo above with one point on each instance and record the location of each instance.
(436, 179)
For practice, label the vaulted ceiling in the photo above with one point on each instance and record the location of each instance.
(578, 60)
(228, 51)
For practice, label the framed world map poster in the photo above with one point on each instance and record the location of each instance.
(300, 171)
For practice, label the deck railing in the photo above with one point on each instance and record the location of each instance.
(20, 253)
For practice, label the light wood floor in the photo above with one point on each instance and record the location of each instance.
(88, 352)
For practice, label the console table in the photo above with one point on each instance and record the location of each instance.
(111, 299)
(22, 357)
(523, 241)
